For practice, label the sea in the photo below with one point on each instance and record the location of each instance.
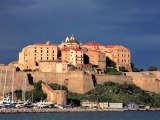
(130, 115)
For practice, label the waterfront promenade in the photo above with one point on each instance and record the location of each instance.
(53, 110)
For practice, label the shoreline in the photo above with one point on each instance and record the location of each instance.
(53, 110)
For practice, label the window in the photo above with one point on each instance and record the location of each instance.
(47, 58)
(35, 51)
(47, 51)
(41, 51)
(53, 51)
(41, 58)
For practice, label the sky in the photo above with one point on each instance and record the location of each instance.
(132, 23)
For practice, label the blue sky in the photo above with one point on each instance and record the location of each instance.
(132, 23)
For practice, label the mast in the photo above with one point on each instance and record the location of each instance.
(12, 85)
(32, 96)
(4, 87)
(1, 80)
(24, 90)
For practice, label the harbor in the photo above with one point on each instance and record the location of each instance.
(56, 110)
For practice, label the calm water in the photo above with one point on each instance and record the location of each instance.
(140, 115)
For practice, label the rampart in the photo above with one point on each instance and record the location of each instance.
(54, 96)
(149, 81)
(75, 81)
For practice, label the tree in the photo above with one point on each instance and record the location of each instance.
(152, 68)
(55, 86)
(134, 69)
(132, 66)
(123, 69)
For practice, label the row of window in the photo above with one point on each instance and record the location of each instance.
(42, 59)
(41, 48)
(123, 55)
(42, 55)
(123, 60)
(122, 50)
(43, 51)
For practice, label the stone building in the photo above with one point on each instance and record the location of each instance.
(47, 66)
(61, 67)
(96, 58)
(65, 54)
(72, 56)
(32, 54)
(93, 46)
(70, 42)
(53, 66)
(76, 56)
(120, 55)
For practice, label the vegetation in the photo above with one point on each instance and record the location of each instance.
(134, 69)
(108, 92)
(125, 93)
(152, 68)
(123, 69)
(55, 86)
(112, 71)
(34, 95)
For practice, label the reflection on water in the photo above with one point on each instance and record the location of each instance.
(137, 115)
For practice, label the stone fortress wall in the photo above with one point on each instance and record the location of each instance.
(149, 81)
(80, 82)
(75, 81)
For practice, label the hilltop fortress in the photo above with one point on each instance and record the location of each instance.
(77, 66)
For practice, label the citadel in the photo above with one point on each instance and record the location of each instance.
(78, 66)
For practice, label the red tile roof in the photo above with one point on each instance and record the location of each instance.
(116, 47)
(110, 46)
(93, 44)
(95, 51)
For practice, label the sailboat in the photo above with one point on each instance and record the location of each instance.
(6, 101)
(23, 102)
